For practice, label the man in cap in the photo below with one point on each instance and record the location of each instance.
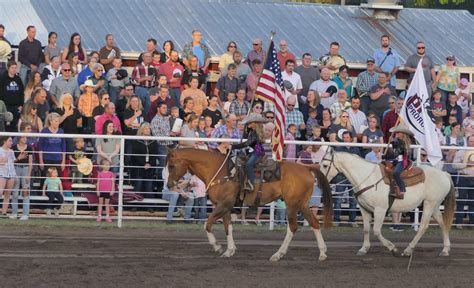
(256, 53)
(366, 80)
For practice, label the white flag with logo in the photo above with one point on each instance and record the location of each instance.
(416, 117)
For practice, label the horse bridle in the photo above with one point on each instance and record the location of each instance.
(331, 161)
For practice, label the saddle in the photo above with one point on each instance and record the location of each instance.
(411, 176)
(266, 170)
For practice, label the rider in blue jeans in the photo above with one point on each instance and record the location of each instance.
(254, 145)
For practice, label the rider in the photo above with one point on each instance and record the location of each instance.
(254, 144)
(399, 156)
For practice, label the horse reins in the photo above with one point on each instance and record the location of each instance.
(218, 171)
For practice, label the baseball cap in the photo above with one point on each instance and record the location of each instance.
(464, 82)
(370, 59)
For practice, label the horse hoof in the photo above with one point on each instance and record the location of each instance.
(275, 258)
(322, 257)
(444, 254)
(218, 249)
(406, 253)
(361, 252)
(228, 253)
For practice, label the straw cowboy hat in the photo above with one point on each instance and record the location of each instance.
(84, 166)
(402, 129)
(5, 49)
(254, 117)
(88, 83)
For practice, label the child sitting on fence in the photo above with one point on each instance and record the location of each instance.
(53, 188)
(105, 189)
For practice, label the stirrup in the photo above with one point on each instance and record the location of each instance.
(248, 185)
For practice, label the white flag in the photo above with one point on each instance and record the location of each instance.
(415, 116)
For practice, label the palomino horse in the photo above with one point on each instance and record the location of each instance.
(366, 175)
(295, 187)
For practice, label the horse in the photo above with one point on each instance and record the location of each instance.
(295, 187)
(367, 177)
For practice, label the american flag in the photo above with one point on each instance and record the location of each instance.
(270, 88)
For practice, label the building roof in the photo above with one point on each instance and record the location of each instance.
(306, 27)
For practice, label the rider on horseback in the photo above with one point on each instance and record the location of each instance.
(398, 155)
(254, 144)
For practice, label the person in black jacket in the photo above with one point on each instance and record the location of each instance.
(143, 161)
(254, 145)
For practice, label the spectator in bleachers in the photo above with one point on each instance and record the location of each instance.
(448, 78)
(387, 60)
(455, 138)
(447, 128)
(199, 49)
(64, 84)
(117, 78)
(143, 161)
(125, 95)
(75, 47)
(12, 93)
(311, 122)
(105, 190)
(29, 115)
(168, 46)
(86, 104)
(108, 148)
(332, 60)
(39, 99)
(23, 167)
(35, 82)
(104, 99)
(109, 52)
(50, 72)
(76, 153)
(163, 97)
(379, 96)
(213, 111)
(463, 162)
(341, 125)
(357, 117)
(174, 73)
(289, 75)
(5, 116)
(294, 116)
(391, 117)
(161, 127)
(307, 72)
(453, 109)
(7, 171)
(144, 77)
(468, 123)
(284, 54)
(76, 66)
(198, 96)
(464, 96)
(438, 107)
(257, 53)
(109, 115)
(51, 50)
(229, 128)
(365, 81)
(200, 200)
(312, 101)
(30, 54)
(53, 188)
(239, 106)
(325, 87)
(98, 79)
(70, 120)
(227, 57)
(209, 129)
(189, 131)
(325, 124)
(243, 70)
(227, 84)
(133, 116)
(188, 105)
(193, 71)
(172, 196)
(427, 64)
(52, 151)
(343, 81)
(252, 78)
(151, 45)
(290, 149)
(372, 134)
(3, 58)
(340, 105)
(87, 71)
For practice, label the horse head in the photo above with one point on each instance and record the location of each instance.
(327, 165)
(176, 166)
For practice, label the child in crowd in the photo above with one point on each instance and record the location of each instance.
(117, 77)
(230, 99)
(438, 108)
(439, 130)
(447, 128)
(53, 188)
(155, 62)
(75, 157)
(464, 96)
(316, 134)
(201, 133)
(311, 122)
(280, 212)
(208, 128)
(374, 156)
(105, 190)
(290, 149)
(200, 199)
(174, 113)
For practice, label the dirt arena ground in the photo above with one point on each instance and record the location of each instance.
(56, 253)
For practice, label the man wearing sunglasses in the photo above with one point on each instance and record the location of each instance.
(427, 63)
(64, 84)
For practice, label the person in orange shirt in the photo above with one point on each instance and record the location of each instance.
(86, 104)
(199, 97)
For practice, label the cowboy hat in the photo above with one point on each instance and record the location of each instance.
(88, 83)
(5, 49)
(401, 129)
(254, 117)
(7, 116)
(84, 166)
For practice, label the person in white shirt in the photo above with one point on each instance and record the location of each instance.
(326, 88)
(294, 78)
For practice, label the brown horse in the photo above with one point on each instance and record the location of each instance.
(295, 187)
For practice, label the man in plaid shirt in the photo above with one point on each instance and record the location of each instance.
(365, 81)
(228, 129)
(239, 106)
(144, 77)
(160, 127)
(294, 116)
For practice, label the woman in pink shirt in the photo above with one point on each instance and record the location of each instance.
(105, 189)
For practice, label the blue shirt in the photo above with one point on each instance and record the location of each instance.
(84, 75)
(392, 61)
(52, 148)
(197, 51)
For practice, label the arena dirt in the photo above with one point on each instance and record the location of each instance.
(179, 256)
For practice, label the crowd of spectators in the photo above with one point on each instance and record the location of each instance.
(68, 90)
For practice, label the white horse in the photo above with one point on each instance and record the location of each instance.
(363, 174)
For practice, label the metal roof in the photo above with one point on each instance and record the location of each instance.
(307, 27)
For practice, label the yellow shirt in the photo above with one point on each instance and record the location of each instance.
(224, 61)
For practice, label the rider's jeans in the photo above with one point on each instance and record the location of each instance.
(397, 170)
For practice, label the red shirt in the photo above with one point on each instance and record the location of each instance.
(168, 68)
(283, 59)
(388, 122)
(99, 123)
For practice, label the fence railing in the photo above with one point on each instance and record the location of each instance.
(81, 194)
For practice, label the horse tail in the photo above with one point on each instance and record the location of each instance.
(323, 184)
(449, 207)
